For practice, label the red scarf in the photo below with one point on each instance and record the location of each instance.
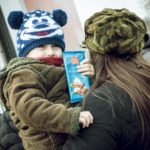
(56, 61)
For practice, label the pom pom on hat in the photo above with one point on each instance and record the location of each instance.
(60, 17)
(15, 19)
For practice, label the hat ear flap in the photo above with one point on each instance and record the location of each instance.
(60, 17)
(15, 19)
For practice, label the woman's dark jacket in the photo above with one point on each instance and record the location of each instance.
(9, 138)
(116, 122)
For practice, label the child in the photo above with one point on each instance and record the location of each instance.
(35, 91)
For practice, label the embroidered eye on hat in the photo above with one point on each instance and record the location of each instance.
(36, 28)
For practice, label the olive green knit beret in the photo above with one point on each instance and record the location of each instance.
(117, 31)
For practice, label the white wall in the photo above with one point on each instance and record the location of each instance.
(86, 8)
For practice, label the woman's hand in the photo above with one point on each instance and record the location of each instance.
(86, 68)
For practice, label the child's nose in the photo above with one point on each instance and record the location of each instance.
(49, 51)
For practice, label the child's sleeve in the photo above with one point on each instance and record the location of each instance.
(27, 97)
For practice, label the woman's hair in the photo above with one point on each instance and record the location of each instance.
(132, 74)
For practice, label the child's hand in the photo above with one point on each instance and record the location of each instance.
(86, 68)
(85, 118)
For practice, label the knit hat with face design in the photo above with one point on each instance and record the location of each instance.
(36, 28)
(115, 31)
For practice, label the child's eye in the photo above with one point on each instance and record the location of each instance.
(55, 47)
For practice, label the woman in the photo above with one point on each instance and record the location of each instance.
(119, 99)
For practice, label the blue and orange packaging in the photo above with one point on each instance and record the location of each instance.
(78, 84)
